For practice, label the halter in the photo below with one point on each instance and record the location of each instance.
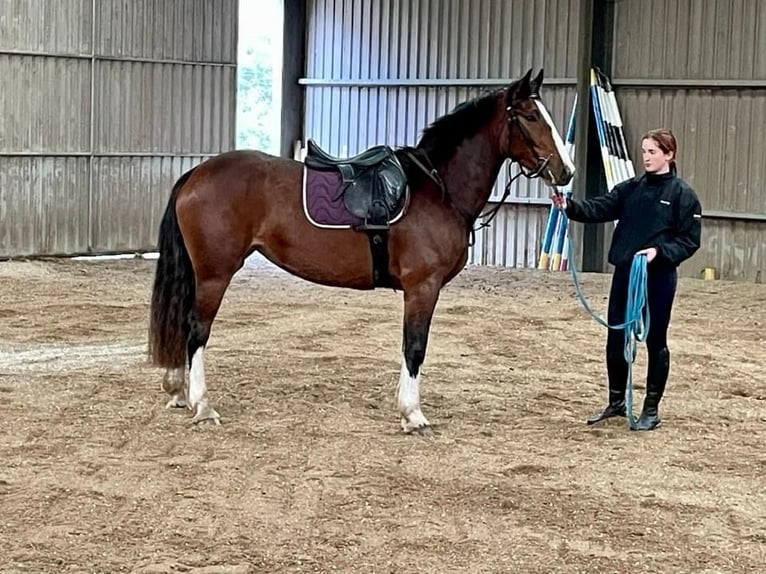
(542, 163)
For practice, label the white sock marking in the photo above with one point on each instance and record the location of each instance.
(408, 398)
(197, 389)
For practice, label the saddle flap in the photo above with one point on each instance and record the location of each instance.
(375, 193)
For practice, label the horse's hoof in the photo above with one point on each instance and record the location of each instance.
(424, 431)
(207, 416)
(176, 403)
(423, 428)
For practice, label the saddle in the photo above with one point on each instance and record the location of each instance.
(373, 182)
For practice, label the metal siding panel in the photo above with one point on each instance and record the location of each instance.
(711, 127)
(513, 239)
(143, 108)
(43, 205)
(181, 30)
(736, 249)
(691, 39)
(51, 26)
(129, 198)
(169, 108)
(559, 38)
(31, 118)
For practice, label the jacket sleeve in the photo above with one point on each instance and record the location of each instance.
(599, 209)
(689, 230)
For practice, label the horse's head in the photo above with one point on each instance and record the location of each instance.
(533, 139)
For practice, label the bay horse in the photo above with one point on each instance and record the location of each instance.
(240, 202)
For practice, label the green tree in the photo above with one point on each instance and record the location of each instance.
(255, 97)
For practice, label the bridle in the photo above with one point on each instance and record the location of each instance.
(542, 163)
(513, 121)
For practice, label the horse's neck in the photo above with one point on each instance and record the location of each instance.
(471, 173)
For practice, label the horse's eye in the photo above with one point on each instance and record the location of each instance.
(531, 118)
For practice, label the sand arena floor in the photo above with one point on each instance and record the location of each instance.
(309, 472)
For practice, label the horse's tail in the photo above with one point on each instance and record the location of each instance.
(174, 291)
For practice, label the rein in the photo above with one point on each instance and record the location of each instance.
(431, 173)
(529, 175)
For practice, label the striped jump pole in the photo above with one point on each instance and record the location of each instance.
(606, 159)
(548, 258)
(619, 146)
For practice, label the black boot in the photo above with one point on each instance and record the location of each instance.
(617, 372)
(656, 379)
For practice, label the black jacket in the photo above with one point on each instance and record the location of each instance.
(659, 211)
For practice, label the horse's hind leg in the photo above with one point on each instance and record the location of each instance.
(209, 294)
(173, 384)
(419, 304)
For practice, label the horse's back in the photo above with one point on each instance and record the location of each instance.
(237, 163)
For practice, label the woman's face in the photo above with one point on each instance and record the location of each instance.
(655, 160)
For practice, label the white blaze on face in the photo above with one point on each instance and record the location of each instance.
(560, 147)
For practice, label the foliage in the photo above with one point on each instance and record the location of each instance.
(257, 107)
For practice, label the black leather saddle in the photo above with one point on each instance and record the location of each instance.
(373, 182)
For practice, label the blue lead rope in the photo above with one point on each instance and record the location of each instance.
(636, 325)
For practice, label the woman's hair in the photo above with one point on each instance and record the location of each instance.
(666, 141)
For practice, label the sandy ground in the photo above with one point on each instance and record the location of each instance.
(309, 472)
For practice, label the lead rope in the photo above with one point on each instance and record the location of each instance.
(636, 325)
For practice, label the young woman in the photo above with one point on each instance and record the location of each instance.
(658, 215)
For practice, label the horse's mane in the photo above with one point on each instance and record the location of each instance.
(447, 132)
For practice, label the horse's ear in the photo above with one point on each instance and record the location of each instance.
(519, 90)
(534, 85)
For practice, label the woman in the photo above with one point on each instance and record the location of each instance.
(659, 216)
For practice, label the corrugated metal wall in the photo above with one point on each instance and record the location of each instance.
(104, 104)
(379, 71)
(699, 68)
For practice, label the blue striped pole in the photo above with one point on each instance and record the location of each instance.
(605, 158)
(619, 147)
(547, 257)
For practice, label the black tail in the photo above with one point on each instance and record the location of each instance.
(173, 294)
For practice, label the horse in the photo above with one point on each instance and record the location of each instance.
(246, 201)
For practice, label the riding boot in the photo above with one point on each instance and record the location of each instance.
(656, 379)
(617, 373)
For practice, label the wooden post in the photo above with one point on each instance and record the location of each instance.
(293, 69)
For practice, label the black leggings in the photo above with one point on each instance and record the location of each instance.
(661, 286)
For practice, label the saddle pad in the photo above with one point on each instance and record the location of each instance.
(323, 200)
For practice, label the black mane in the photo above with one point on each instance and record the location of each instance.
(447, 132)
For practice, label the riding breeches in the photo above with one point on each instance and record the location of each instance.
(661, 290)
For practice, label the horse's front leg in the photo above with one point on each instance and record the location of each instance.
(419, 304)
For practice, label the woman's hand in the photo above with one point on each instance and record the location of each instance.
(650, 252)
(559, 201)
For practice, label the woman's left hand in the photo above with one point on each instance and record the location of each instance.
(650, 252)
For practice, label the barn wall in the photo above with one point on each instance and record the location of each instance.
(110, 102)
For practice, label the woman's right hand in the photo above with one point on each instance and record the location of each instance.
(559, 201)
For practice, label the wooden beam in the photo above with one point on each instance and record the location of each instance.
(293, 69)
